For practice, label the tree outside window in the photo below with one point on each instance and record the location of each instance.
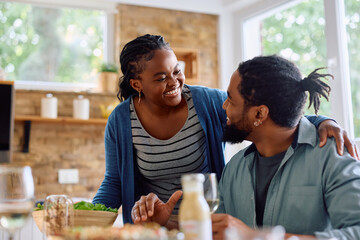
(50, 44)
(352, 18)
(298, 34)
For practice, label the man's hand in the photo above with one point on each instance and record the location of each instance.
(151, 209)
(222, 221)
(329, 128)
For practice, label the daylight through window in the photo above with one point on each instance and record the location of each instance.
(298, 34)
(50, 44)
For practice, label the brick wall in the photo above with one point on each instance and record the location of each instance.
(180, 29)
(55, 146)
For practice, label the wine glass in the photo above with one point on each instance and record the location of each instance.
(211, 194)
(16, 197)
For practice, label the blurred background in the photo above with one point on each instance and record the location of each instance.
(59, 47)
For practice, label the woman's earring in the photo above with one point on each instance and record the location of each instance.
(139, 97)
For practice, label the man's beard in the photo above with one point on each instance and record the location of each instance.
(233, 135)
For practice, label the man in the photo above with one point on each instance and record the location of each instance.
(284, 178)
(279, 103)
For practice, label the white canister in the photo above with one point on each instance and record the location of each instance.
(81, 107)
(49, 106)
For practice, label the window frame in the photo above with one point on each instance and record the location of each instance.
(337, 50)
(110, 10)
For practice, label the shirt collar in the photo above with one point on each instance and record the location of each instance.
(251, 148)
(305, 134)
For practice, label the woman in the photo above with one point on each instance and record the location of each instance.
(162, 129)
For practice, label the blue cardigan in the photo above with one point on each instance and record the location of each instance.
(122, 182)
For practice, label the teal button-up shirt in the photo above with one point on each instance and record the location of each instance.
(315, 191)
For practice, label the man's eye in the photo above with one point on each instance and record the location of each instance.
(177, 72)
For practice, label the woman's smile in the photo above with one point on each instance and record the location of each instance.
(173, 93)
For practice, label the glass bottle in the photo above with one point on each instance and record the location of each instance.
(194, 212)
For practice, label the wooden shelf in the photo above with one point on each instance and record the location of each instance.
(60, 120)
(27, 120)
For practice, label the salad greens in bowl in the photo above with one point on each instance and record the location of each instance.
(85, 206)
(85, 214)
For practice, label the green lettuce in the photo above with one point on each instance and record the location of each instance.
(85, 206)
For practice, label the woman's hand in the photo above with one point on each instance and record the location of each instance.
(220, 222)
(151, 209)
(329, 128)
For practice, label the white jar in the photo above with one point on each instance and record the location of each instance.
(81, 107)
(49, 106)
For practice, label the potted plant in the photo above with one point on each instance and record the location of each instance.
(108, 77)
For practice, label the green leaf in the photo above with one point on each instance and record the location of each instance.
(85, 206)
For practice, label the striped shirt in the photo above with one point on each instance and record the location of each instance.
(162, 162)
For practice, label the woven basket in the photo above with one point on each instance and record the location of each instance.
(82, 218)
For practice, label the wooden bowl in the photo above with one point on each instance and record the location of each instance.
(82, 218)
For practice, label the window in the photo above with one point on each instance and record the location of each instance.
(352, 20)
(312, 34)
(51, 44)
(298, 34)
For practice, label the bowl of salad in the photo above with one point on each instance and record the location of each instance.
(85, 214)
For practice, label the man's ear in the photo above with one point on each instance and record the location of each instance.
(136, 85)
(262, 113)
